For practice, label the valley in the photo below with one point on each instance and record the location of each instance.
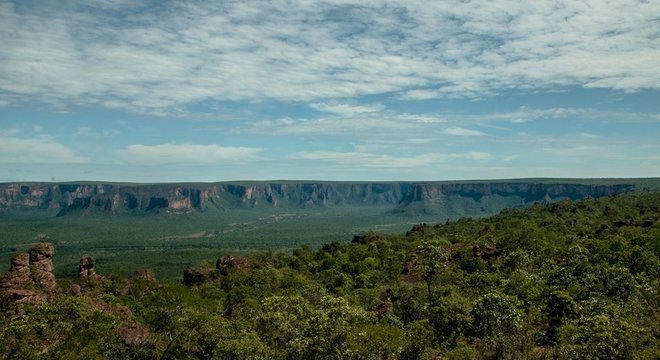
(169, 226)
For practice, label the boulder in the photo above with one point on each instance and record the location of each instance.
(18, 294)
(476, 251)
(144, 274)
(41, 263)
(21, 296)
(86, 268)
(134, 335)
(195, 276)
(484, 252)
(225, 263)
(120, 311)
(74, 289)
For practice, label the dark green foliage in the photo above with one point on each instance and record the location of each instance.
(569, 280)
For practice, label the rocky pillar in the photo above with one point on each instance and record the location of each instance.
(18, 275)
(86, 269)
(41, 262)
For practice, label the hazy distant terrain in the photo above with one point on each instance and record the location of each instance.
(168, 226)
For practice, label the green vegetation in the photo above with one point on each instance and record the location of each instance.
(568, 280)
(168, 242)
(117, 224)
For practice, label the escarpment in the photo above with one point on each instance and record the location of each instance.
(451, 198)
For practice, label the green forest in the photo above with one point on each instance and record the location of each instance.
(563, 280)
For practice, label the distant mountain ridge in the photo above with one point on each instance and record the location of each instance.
(470, 198)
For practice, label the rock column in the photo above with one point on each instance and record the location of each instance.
(18, 275)
(41, 262)
(86, 269)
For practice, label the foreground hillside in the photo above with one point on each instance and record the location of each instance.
(567, 280)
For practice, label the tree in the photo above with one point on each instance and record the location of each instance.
(498, 320)
(431, 261)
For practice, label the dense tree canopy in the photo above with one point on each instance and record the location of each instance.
(567, 280)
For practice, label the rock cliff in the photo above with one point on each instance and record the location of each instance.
(468, 198)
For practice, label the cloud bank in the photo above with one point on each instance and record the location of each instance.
(163, 59)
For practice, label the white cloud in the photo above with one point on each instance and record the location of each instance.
(510, 157)
(588, 135)
(87, 132)
(185, 154)
(39, 150)
(347, 109)
(459, 131)
(162, 59)
(82, 131)
(369, 125)
(9, 132)
(362, 159)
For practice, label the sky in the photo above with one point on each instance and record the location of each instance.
(412, 90)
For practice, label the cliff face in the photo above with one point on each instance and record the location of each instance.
(473, 197)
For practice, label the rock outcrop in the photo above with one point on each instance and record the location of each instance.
(29, 275)
(224, 264)
(134, 334)
(41, 264)
(19, 275)
(484, 252)
(86, 268)
(144, 274)
(74, 289)
(195, 276)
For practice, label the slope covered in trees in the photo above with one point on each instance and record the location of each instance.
(567, 280)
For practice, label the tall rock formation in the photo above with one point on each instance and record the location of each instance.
(28, 273)
(18, 276)
(41, 263)
(86, 268)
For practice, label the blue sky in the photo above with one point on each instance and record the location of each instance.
(336, 90)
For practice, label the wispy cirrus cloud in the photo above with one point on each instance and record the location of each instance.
(459, 131)
(356, 158)
(344, 109)
(162, 60)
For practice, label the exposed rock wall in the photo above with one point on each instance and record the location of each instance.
(427, 197)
